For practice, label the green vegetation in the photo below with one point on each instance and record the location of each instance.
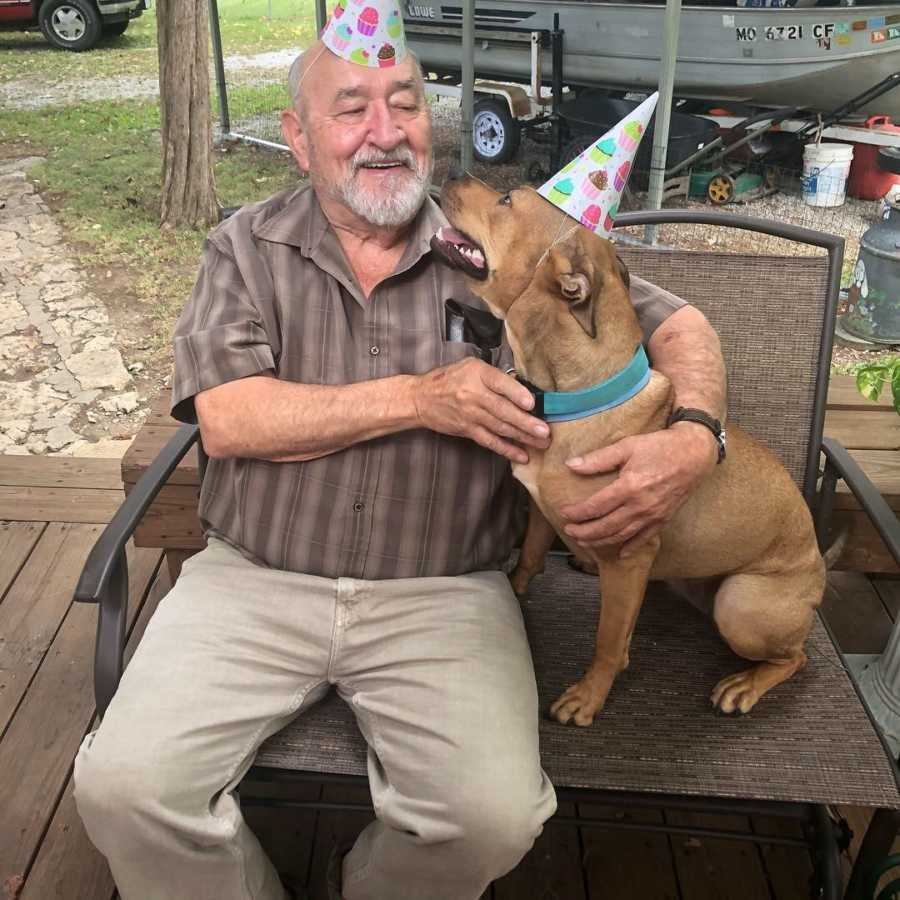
(246, 30)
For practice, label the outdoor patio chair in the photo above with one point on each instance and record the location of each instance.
(810, 743)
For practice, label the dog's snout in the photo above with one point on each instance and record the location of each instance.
(455, 174)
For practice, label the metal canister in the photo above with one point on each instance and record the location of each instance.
(873, 306)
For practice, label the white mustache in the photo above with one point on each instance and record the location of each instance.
(402, 155)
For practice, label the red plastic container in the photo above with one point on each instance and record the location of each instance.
(867, 180)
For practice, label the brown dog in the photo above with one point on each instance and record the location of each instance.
(744, 537)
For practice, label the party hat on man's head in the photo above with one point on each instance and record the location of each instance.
(590, 187)
(368, 32)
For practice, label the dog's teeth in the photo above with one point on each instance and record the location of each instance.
(478, 258)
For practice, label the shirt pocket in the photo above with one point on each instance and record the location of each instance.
(454, 351)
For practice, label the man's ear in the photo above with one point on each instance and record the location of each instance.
(295, 137)
(576, 277)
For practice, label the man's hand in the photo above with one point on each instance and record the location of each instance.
(657, 473)
(474, 400)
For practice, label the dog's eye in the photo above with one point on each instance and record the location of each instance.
(505, 200)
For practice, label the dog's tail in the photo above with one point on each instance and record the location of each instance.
(833, 553)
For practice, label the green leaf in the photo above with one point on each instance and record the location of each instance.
(870, 380)
(895, 385)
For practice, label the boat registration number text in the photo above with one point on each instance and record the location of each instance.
(785, 32)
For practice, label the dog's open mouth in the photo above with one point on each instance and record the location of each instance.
(461, 252)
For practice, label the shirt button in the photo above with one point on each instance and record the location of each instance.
(374, 351)
(358, 507)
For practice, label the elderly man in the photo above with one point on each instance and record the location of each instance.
(357, 508)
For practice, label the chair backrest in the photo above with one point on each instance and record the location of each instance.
(774, 314)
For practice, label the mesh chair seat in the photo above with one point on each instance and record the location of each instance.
(808, 740)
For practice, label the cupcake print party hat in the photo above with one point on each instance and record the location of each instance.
(368, 32)
(590, 187)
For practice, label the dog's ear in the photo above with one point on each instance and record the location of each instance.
(576, 278)
(623, 272)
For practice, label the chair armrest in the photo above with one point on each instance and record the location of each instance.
(97, 572)
(847, 469)
(104, 579)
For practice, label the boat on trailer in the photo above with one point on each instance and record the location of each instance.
(817, 57)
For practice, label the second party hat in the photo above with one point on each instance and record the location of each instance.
(590, 187)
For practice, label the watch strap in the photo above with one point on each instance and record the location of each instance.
(688, 414)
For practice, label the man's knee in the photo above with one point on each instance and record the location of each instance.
(499, 822)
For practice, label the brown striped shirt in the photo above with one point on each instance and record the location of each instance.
(276, 294)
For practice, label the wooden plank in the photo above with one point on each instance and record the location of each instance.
(551, 870)
(67, 865)
(789, 869)
(855, 613)
(159, 411)
(842, 394)
(864, 550)
(883, 469)
(175, 560)
(147, 446)
(48, 504)
(35, 607)
(889, 591)
(37, 749)
(864, 429)
(287, 834)
(17, 540)
(60, 471)
(171, 520)
(715, 868)
(626, 864)
(335, 828)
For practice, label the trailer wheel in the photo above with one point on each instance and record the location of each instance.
(495, 133)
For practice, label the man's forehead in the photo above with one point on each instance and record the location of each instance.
(346, 79)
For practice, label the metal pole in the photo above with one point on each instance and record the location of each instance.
(221, 89)
(468, 84)
(663, 111)
(321, 16)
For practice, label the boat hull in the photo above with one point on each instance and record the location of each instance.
(815, 57)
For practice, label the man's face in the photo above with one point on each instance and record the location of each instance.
(365, 137)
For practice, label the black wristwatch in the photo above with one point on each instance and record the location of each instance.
(686, 414)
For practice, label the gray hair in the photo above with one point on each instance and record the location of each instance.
(302, 64)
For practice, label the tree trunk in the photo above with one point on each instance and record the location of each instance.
(188, 183)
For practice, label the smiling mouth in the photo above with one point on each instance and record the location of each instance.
(460, 252)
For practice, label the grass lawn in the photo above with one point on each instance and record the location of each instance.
(246, 30)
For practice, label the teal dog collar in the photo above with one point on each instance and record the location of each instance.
(565, 406)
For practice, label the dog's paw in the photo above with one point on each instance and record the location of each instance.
(578, 704)
(736, 693)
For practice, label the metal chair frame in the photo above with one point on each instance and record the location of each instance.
(104, 581)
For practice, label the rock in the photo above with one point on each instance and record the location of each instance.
(135, 368)
(37, 447)
(98, 369)
(124, 403)
(16, 450)
(20, 165)
(103, 449)
(60, 436)
(100, 342)
(59, 290)
(86, 397)
(12, 315)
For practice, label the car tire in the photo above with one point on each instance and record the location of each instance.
(115, 29)
(70, 24)
(495, 133)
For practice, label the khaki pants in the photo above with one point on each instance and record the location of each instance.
(437, 671)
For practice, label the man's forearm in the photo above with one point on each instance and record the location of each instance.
(282, 421)
(685, 348)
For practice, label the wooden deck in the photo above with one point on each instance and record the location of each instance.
(51, 512)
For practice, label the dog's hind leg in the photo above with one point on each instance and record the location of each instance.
(764, 618)
(539, 537)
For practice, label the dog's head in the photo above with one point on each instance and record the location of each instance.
(506, 243)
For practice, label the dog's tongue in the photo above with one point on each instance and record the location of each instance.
(471, 251)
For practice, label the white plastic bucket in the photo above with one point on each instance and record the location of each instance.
(825, 171)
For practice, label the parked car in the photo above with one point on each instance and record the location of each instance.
(71, 24)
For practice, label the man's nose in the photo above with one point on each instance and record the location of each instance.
(384, 132)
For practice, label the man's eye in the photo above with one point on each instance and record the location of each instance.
(352, 112)
(505, 200)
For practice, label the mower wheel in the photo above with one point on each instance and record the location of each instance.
(721, 189)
